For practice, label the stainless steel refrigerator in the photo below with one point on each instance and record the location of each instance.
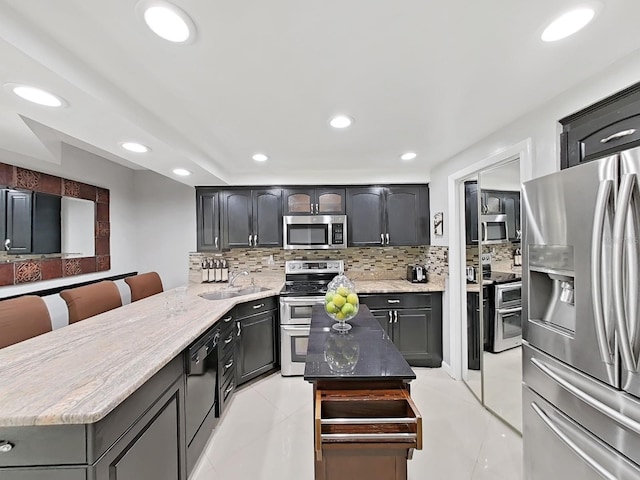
(581, 380)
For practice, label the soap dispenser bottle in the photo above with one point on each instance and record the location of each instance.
(225, 271)
(205, 270)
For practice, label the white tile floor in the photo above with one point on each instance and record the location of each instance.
(267, 434)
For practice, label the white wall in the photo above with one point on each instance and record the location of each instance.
(77, 222)
(165, 227)
(543, 128)
(86, 167)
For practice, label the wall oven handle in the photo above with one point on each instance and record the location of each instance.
(586, 398)
(597, 293)
(507, 311)
(619, 223)
(571, 444)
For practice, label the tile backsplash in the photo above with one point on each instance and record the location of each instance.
(500, 253)
(376, 263)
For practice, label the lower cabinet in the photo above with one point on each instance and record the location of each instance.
(414, 324)
(478, 336)
(256, 347)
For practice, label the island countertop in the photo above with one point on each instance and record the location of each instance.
(365, 353)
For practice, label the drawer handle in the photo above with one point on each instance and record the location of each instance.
(5, 447)
(255, 307)
(393, 301)
(358, 437)
(615, 136)
(229, 388)
(229, 339)
(229, 365)
(227, 320)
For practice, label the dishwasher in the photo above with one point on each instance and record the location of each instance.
(201, 393)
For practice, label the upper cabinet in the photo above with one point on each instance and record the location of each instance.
(314, 201)
(607, 127)
(492, 202)
(471, 212)
(208, 215)
(392, 215)
(17, 237)
(251, 218)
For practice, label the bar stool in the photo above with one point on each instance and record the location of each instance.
(23, 318)
(90, 300)
(144, 285)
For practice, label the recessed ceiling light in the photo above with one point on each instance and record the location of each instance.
(340, 121)
(135, 147)
(182, 172)
(167, 20)
(408, 156)
(568, 24)
(36, 95)
(260, 157)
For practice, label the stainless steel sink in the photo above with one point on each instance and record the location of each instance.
(224, 294)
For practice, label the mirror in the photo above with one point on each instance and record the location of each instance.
(502, 351)
(51, 227)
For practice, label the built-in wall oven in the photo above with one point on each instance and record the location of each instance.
(507, 327)
(305, 286)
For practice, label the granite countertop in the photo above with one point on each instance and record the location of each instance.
(436, 284)
(80, 373)
(365, 353)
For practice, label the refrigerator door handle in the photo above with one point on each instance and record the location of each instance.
(571, 444)
(593, 402)
(602, 200)
(619, 224)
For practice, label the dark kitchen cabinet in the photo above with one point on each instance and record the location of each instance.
(208, 216)
(18, 221)
(604, 128)
(504, 202)
(251, 218)
(314, 201)
(391, 215)
(256, 346)
(47, 235)
(413, 321)
(471, 212)
(226, 361)
(477, 335)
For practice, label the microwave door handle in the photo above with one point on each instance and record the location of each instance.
(597, 293)
(619, 224)
(484, 231)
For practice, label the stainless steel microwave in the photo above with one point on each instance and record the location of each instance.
(494, 229)
(315, 232)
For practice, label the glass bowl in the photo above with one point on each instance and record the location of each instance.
(341, 302)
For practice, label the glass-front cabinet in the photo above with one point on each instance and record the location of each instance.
(314, 201)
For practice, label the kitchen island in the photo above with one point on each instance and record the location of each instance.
(365, 422)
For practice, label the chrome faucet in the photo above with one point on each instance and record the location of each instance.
(233, 276)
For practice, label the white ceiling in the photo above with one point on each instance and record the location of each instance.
(265, 76)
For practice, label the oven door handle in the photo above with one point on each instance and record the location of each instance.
(506, 311)
(302, 301)
(290, 328)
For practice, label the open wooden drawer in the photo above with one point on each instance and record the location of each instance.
(366, 417)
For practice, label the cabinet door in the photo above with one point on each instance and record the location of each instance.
(418, 337)
(511, 202)
(298, 201)
(405, 218)
(256, 345)
(236, 218)
(267, 218)
(154, 454)
(18, 229)
(384, 318)
(474, 350)
(47, 223)
(365, 213)
(208, 229)
(471, 212)
(330, 201)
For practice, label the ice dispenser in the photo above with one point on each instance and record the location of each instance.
(551, 287)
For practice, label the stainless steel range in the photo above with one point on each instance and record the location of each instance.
(305, 286)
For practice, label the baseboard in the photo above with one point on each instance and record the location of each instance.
(447, 368)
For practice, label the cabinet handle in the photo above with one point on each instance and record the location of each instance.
(5, 446)
(382, 238)
(317, 208)
(615, 136)
(255, 240)
(387, 239)
(395, 316)
(229, 365)
(239, 328)
(390, 317)
(7, 244)
(216, 242)
(393, 301)
(227, 320)
(255, 307)
(249, 240)
(229, 339)
(229, 388)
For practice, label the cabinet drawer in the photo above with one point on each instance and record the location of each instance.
(226, 392)
(255, 306)
(366, 416)
(225, 344)
(43, 445)
(226, 367)
(400, 300)
(225, 323)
